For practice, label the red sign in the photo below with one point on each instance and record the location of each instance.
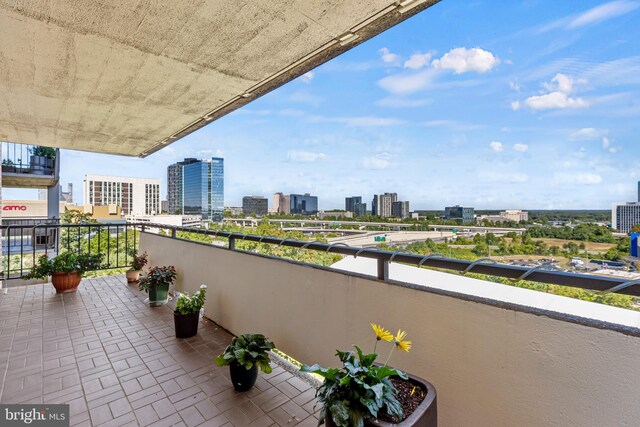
(14, 208)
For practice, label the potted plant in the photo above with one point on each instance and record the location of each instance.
(156, 283)
(41, 162)
(66, 269)
(8, 166)
(364, 392)
(187, 312)
(244, 355)
(137, 264)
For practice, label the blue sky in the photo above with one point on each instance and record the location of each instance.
(526, 104)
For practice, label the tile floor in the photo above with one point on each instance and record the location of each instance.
(116, 362)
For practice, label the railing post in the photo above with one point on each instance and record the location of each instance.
(173, 233)
(383, 269)
(232, 243)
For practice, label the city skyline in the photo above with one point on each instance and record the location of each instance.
(533, 106)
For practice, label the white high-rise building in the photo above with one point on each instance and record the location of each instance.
(624, 217)
(136, 196)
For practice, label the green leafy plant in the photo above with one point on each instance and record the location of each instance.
(360, 389)
(65, 263)
(186, 304)
(139, 261)
(157, 276)
(7, 162)
(46, 152)
(248, 350)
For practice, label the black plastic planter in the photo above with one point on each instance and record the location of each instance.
(241, 378)
(186, 324)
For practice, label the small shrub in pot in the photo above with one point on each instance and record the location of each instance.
(187, 312)
(245, 355)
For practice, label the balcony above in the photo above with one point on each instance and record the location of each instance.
(27, 166)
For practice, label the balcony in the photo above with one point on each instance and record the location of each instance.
(497, 354)
(28, 166)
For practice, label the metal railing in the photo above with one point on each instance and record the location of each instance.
(23, 244)
(28, 159)
(541, 273)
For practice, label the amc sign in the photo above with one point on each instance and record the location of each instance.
(14, 208)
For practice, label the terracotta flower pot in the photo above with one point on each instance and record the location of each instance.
(133, 276)
(65, 282)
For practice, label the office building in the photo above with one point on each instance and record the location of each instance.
(281, 203)
(255, 205)
(467, 215)
(303, 204)
(515, 215)
(381, 204)
(136, 196)
(354, 204)
(174, 185)
(203, 189)
(400, 209)
(625, 216)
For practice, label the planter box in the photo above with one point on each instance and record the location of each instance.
(425, 415)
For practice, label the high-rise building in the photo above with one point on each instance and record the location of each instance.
(625, 216)
(638, 191)
(400, 209)
(255, 205)
(203, 189)
(136, 196)
(174, 185)
(354, 204)
(381, 204)
(281, 203)
(303, 204)
(467, 215)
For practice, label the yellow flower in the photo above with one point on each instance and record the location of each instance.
(382, 333)
(400, 342)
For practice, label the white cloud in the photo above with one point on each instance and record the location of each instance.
(307, 77)
(304, 156)
(379, 161)
(586, 134)
(577, 179)
(514, 85)
(515, 105)
(555, 100)
(594, 15)
(407, 83)
(560, 87)
(387, 56)
(208, 153)
(496, 146)
(602, 13)
(417, 61)
(462, 60)
(521, 148)
(608, 145)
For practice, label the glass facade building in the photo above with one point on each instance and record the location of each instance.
(203, 189)
(303, 204)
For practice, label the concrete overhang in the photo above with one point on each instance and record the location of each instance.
(130, 78)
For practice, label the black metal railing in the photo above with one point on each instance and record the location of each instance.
(29, 159)
(23, 244)
(542, 273)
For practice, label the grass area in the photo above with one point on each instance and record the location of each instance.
(591, 247)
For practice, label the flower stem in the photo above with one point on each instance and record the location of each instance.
(389, 357)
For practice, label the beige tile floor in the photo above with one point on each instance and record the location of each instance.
(116, 362)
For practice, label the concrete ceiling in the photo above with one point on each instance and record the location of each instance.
(130, 77)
